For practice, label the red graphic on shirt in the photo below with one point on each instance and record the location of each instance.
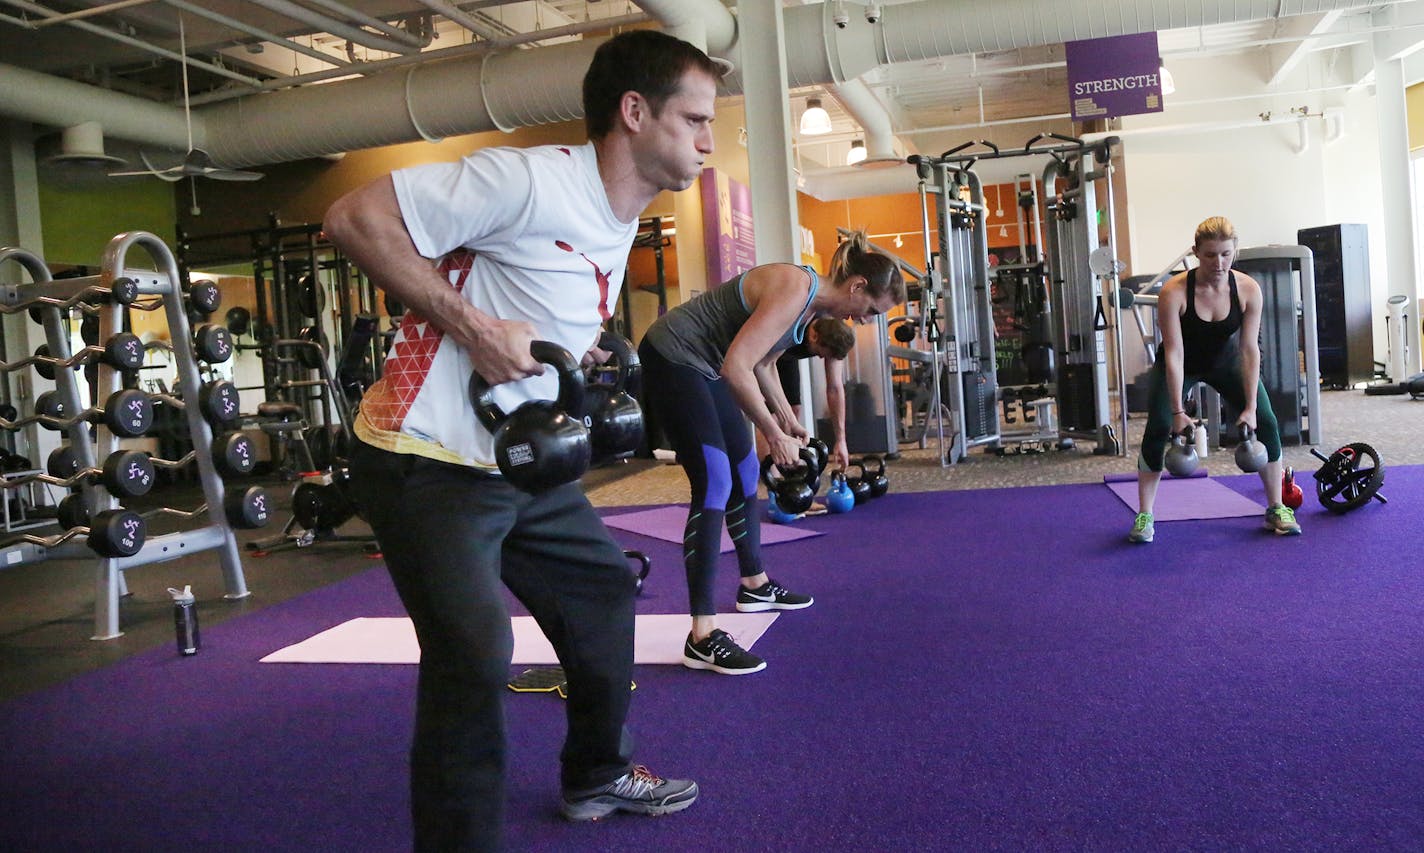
(567, 152)
(388, 401)
(599, 275)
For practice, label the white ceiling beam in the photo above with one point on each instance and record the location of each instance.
(1282, 59)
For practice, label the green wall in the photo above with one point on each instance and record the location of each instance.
(79, 221)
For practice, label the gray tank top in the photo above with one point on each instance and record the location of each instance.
(698, 333)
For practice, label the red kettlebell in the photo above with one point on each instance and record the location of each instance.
(1291, 495)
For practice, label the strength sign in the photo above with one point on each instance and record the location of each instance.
(1115, 76)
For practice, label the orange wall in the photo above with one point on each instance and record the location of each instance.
(900, 214)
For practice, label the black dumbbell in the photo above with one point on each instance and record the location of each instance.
(538, 446)
(213, 343)
(123, 351)
(312, 357)
(220, 402)
(117, 533)
(127, 473)
(123, 291)
(72, 512)
(128, 412)
(234, 455)
(204, 297)
(248, 509)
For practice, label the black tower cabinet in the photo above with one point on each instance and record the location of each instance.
(1342, 302)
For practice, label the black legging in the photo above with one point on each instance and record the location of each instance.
(454, 538)
(714, 446)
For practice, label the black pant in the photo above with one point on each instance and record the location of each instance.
(450, 535)
(715, 449)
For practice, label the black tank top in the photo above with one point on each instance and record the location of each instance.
(1207, 344)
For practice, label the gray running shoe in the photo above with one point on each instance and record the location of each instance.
(637, 791)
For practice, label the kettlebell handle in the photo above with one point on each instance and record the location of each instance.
(570, 397)
(807, 466)
(627, 357)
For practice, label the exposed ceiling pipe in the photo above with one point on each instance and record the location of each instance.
(133, 42)
(518, 88)
(873, 118)
(705, 23)
(482, 48)
(348, 14)
(201, 12)
(469, 22)
(408, 44)
(48, 100)
(90, 12)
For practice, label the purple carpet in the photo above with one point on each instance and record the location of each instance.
(982, 670)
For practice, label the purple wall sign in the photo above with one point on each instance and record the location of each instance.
(727, 227)
(1115, 76)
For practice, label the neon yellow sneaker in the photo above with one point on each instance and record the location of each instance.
(1281, 520)
(1141, 528)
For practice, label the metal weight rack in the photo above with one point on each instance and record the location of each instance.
(117, 535)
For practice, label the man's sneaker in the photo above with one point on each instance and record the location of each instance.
(770, 596)
(1281, 520)
(637, 791)
(1142, 530)
(720, 653)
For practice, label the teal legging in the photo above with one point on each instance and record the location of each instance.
(1227, 380)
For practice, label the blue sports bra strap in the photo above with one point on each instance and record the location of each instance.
(799, 330)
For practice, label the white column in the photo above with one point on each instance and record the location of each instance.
(761, 39)
(20, 226)
(1397, 185)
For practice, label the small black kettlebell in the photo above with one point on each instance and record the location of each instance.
(859, 485)
(538, 446)
(792, 493)
(879, 483)
(614, 419)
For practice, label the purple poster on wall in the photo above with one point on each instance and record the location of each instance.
(727, 227)
(1116, 76)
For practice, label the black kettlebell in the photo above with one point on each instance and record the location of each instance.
(792, 493)
(879, 483)
(614, 419)
(859, 485)
(538, 446)
(823, 454)
(645, 565)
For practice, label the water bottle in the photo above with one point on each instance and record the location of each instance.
(185, 620)
(1201, 441)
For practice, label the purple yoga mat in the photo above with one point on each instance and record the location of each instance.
(1180, 499)
(667, 523)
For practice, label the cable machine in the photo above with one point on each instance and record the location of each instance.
(1071, 330)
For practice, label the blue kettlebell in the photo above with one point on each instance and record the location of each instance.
(839, 498)
(776, 515)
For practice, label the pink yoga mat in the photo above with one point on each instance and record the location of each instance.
(667, 523)
(1183, 499)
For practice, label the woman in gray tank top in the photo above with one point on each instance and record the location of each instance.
(708, 366)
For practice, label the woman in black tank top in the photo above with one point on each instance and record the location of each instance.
(1210, 323)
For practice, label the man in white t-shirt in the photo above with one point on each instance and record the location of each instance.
(529, 244)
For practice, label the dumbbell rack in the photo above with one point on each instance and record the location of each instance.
(51, 297)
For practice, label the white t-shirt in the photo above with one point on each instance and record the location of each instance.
(523, 234)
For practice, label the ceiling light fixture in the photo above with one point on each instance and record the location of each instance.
(856, 154)
(815, 120)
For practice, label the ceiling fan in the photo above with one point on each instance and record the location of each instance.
(196, 163)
